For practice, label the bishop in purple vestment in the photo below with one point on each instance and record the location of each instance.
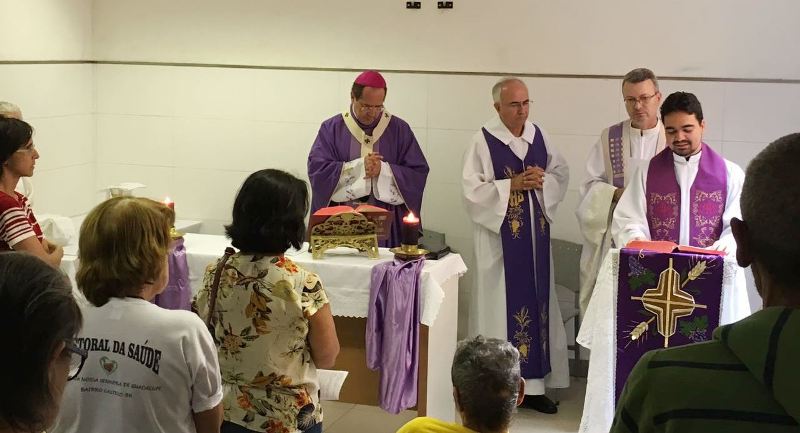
(366, 155)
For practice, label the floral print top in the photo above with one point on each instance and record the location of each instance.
(261, 328)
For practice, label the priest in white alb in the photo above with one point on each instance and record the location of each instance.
(513, 180)
(687, 193)
(621, 149)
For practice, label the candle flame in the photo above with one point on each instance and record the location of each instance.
(410, 218)
(167, 200)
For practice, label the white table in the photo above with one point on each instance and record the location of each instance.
(346, 278)
(598, 333)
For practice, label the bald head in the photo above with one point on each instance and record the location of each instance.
(502, 84)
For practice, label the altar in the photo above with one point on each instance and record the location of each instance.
(599, 333)
(346, 278)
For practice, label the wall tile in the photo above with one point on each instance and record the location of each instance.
(760, 113)
(138, 140)
(132, 89)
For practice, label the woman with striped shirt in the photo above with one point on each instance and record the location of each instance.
(19, 230)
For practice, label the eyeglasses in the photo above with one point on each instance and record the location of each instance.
(644, 99)
(364, 108)
(78, 356)
(30, 147)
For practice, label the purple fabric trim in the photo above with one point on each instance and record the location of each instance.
(616, 155)
(392, 336)
(640, 275)
(707, 196)
(178, 293)
(398, 145)
(527, 281)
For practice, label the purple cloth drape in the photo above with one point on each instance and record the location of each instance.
(392, 337)
(335, 145)
(665, 280)
(178, 293)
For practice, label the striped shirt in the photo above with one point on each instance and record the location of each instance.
(17, 221)
(746, 380)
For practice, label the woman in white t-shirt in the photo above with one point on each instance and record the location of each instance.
(148, 369)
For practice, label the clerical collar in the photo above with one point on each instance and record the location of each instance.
(686, 158)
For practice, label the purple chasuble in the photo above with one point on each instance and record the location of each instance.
(663, 300)
(706, 199)
(527, 282)
(178, 293)
(335, 145)
(392, 337)
(616, 155)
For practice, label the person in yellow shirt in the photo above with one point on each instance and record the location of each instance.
(487, 388)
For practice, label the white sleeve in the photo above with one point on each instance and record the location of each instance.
(732, 208)
(556, 180)
(630, 216)
(595, 168)
(485, 198)
(201, 359)
(385, 188)
(352, 184)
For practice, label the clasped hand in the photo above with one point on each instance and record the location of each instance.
(372, 164)
(531, 178)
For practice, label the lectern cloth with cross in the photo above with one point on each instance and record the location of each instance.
(664, 300)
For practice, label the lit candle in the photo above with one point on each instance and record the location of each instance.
(169, 203)
(410, 233)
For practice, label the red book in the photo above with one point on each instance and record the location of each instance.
(377, 215)
(671, 247)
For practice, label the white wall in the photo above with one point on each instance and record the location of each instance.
(57, 99)
(717, 38)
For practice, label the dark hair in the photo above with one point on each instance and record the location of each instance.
(14, 134)
(269, 213)
(358, 89)
(682, 101)
(39, 312)
(771, 209)
(486, 374)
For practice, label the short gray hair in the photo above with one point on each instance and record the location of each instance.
(638, 75)
(498, 86)
(9, 110)
(771, 208)
(486, 374)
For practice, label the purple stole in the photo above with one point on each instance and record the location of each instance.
(616, 155)
(335, 145)
(706, 197)
(178, 293)
(527, 282)
(663, 300)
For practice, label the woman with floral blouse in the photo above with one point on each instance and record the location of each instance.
(272, 321)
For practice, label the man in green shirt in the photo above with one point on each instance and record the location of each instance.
(747, 378)
(487, 387)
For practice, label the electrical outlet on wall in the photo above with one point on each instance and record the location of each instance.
(413, 5)
(444, 5)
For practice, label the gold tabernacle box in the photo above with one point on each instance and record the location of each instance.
(347, 229)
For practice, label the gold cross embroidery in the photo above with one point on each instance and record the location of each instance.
(668, 301)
